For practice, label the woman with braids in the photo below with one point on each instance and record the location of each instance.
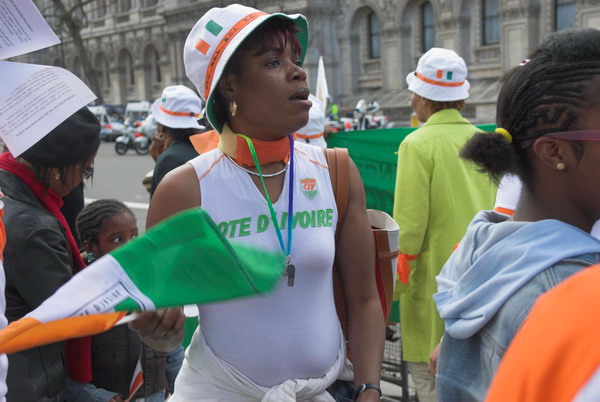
(262, 189)
(103, 226)
(548, 118)
(41, 253)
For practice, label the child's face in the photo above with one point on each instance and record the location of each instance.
(117, 230)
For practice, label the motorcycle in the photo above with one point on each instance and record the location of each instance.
(364, 118)
(132, 140)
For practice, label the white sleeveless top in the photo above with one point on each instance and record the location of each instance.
(292, 332)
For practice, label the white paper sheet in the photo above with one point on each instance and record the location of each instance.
(34, 99)
(23, 29)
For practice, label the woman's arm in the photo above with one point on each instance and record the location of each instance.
(355, 254)
(163, 330)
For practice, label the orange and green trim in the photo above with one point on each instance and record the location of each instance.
(440, 83)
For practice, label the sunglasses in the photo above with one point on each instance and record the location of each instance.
(87, 172)
(578, 135)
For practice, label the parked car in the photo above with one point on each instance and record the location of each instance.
(110, 129)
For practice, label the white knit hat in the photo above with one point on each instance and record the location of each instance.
(216, 37)
(178, 107)
(441, 76)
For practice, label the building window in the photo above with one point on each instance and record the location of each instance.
(491, 22)
(100, 8)
(102, 71)
(150, 3)
(126, 68)
(124, 6)
(152, 73)
(428, 23)
(564, 14)
(374, 37)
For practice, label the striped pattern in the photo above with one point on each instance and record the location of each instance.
(440, 75)
(137, 380)
(215, 29)
(183, 260)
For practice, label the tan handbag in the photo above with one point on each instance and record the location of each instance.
(385, 232)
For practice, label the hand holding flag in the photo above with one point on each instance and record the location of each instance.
(183, 260)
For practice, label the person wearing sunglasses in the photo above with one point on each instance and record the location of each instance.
(548, 120)
(41, 253)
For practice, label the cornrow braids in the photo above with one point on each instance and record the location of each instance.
(93, 216)
(546, 94)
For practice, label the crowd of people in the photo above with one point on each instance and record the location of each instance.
(474, 258)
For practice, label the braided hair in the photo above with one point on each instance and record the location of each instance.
(91, 219)
(547, 93)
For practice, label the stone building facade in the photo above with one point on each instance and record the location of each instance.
(369, 46)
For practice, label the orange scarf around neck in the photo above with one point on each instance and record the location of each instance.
(267, 151)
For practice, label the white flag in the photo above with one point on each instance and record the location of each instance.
(322, 90)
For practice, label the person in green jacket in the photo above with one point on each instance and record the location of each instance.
(437, 194)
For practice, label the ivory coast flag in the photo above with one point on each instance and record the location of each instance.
(183, 260)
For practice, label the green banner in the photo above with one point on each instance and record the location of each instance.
(375, 154)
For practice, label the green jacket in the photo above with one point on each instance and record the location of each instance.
(437, 194)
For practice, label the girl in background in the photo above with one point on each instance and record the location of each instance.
(103, 226)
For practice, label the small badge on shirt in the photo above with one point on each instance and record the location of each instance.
(309, 188)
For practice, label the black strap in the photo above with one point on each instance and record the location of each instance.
(363, 387)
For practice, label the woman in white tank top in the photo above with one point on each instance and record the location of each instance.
(277, 195)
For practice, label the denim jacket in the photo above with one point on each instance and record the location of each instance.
(466, 367)
(488, 286)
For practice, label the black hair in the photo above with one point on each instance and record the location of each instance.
(275, 31)
(178, 134)
(546, 94)
(43, 175)
(93, 216)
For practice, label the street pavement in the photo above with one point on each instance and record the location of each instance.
(120, 177)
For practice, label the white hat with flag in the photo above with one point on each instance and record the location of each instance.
(178, 107)
(441, 76)
(216, 37)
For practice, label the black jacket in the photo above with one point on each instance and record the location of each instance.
(177, 154)
(37, 261)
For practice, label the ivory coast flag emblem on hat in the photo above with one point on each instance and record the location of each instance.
(183, 260)
(309, 188)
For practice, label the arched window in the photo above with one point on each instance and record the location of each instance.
(102, 71)
(564, 16)
(126, 75)
(428, 24)
(152, 73)
(374, 36)
(491, 22)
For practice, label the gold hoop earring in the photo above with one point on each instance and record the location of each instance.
(560, 166)
(233, 107)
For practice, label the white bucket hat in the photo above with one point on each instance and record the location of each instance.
(178, 107)
(316, 118)
(441, 76)
(215, 38)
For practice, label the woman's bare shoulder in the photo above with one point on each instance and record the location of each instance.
(178, 190)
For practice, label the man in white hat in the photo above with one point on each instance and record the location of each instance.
(177, 112)
(437, 194)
